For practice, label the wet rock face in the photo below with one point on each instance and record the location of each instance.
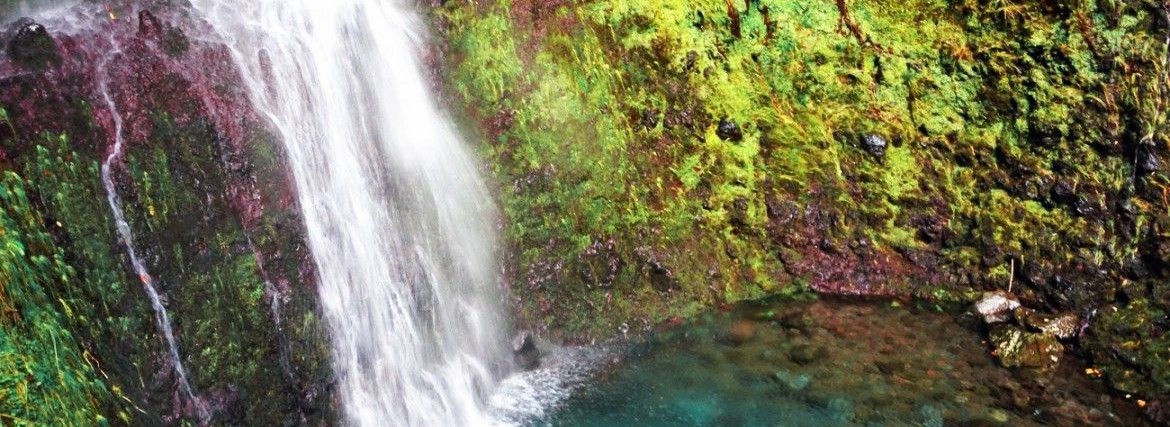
(211, 206)
(1130, 367)
(1015, 162)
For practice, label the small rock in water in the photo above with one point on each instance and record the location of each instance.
(796, 320)
(875, 145)
(794, 382)
(840, 409)
(996, 307)
(1016, 348)
(805, 354)
(1063, 326)
(931, 416)
(891, 367)
(524, 351)
(999, 416)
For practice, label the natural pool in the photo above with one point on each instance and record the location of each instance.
(831, 363)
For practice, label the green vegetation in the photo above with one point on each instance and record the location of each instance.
(657, 157)
(47, 376)
(81, 342)
(653, 159)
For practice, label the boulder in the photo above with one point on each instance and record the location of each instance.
(30, 44)
(1017, 348)
(995, 307)
(1063, 326)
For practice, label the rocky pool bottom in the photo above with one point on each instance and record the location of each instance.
(824, 363)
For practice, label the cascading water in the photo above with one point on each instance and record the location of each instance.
(399, 222)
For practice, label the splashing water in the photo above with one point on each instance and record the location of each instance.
(398, 219)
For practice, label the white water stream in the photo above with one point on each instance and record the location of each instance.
(398, 219)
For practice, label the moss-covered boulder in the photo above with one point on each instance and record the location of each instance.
(1033, 351)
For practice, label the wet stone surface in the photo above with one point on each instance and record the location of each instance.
(834, 363)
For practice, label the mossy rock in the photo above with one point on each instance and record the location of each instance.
(1024, 149)
(1130, 346)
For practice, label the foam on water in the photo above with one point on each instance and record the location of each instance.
(527, 397)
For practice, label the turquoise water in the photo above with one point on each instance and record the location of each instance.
(687, 389)
(832, 363)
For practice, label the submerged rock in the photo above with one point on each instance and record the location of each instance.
(792, 381)
(996, 307)
(741, 332)
(804, 354)
(797, 321)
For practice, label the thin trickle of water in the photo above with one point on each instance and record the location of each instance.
(397, 216)
(127, 236)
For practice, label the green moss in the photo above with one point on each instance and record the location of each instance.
(175, 196)
(1013, 131)
(46, 374)
(1135, 359)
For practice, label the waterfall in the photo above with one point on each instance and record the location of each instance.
(398, 219)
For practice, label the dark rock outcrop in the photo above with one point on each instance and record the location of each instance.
(29, 44)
